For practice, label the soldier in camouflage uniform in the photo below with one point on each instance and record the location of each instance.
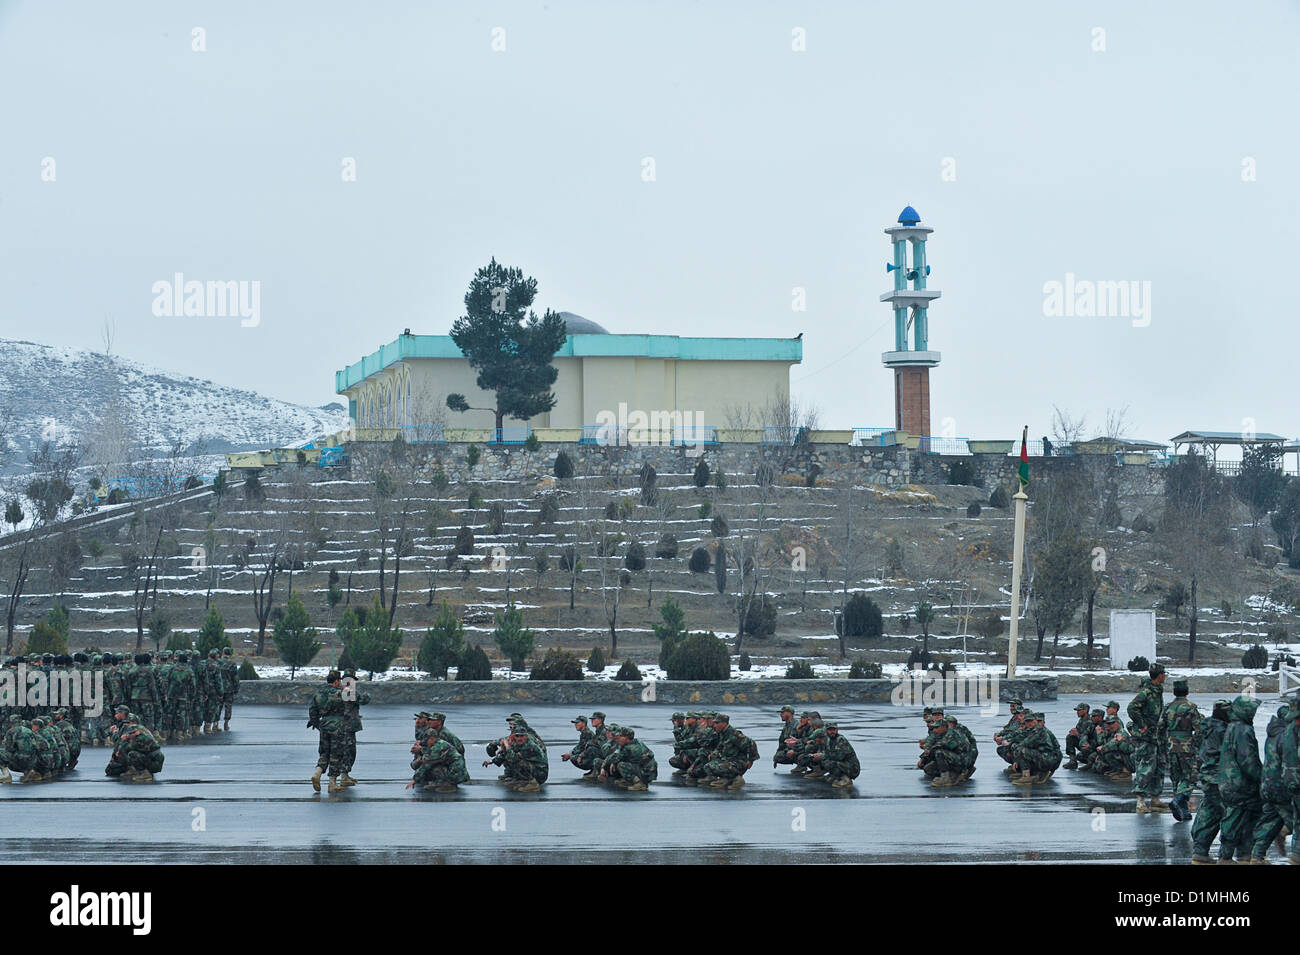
(632, 765)
(794, 743)
(932, 718)
(811, 746)
(1275, 798)
(1037, 754)
(54, 752)
(142, 690)
(1209, 814)
(180, 698)
(684, 746)
(732, 755)
(162, 672)
(71, 737)
(1078, 735)
(1180, 728)
(213, 688)
(788, 726)
(352, 703)
(21, 751)
(1291, 779)
(1114, 757)
(438, 730)
(582, 755)
(838, 758)
(1088, 745)
(1239, 772)
(229, 682)
(327, 714)
(438, 765)
(198, 702)
(524, 760)
(137, 755)
(1011, 733)
(953, 754)
(1144, 711)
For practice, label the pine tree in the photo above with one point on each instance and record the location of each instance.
(443, 643)
(295, 637)
(514, 639)
(212, 635)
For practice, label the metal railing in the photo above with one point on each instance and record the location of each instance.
(614, 436)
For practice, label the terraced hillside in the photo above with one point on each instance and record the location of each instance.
(900, 546)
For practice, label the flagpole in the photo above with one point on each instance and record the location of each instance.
(1018, 554)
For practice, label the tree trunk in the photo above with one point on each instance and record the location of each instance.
(1092, 600)
(1191, 632)
(501, 418)
(1038, 654)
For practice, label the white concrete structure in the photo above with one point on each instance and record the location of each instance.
(1132, 634)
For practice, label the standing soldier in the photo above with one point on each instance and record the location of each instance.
(1209, 814)
(838, 758)
(1239, 772)
(327, 715)
(180, 698)
(199, 702)
(229, 682)
(352, 702)
(162, 675)
(213, 687)
(1075, 739)
(1180, 727)
(1275, 798)
(1145, 710)
(143, 690)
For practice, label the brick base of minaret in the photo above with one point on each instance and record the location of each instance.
(912, 400)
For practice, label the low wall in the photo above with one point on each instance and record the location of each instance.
(614, 693)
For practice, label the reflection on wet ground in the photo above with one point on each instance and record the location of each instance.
(245, 797)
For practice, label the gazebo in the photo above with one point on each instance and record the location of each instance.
(1210, 441)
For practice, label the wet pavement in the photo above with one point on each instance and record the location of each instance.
(246, 797)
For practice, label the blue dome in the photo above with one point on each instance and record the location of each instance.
(909, 216)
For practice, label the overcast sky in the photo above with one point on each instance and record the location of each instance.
(1152, 142)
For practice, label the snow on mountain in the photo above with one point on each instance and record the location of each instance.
(58, 393)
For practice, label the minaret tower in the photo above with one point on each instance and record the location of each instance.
(911, 310)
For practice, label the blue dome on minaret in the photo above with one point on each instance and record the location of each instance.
(909, 216)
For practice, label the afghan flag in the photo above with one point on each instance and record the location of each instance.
(1024, 459)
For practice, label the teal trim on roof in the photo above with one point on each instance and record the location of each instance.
(580, 346)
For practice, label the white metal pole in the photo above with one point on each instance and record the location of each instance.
(1018, 557)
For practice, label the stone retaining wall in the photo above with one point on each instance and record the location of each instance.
(616, 693)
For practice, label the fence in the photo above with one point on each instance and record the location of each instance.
(679, 436)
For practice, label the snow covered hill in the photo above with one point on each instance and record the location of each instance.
(60, 394)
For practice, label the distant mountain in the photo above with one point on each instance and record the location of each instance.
(61, 393)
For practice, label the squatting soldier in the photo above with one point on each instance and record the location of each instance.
(1273, 792)
(932, 717)
(1037, 754)
(54, 750)
(438, 765)
(72, 738)
(137, 755)
(1239, 772)
(524, 761)
(813, 745)
(795, 741)
(953, 754)
(1144, 710)
(632, 765)
(684, 745)
(1114, 757)
(229, 682)
(213, 688)
(1075, 739)
(1096, 730)
(438, 730)
(1180, 727)
(1011, 733)
(20, 752)
(1209, 814)
(838, 758)
(583, 754)
(731, 756)
(788, 727)
(327, 715)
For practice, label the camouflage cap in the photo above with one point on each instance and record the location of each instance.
(1156, 669)
(422, 715)
(598, 715)
(721, 718)
(1224, 703)
(1097, 711)
(1081, 706)
(518, 729)
(38, 721)
(578, 719)
(787, 708)
(680, 716)
(626, 731)
(1114, 703)
(1015, 701)
(1180, 688)
(953, 720)
(15, 718)
(1284, 711)
(1113, 718)
(227, 651)
(440, 717)
(514, 716)
(832, 725)
(805, 715)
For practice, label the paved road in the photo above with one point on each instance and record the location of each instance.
(245, 797)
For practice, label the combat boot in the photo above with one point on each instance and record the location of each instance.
(816, 773)
(348, 780)
(1072, 764)
(1156, 805)
(143, 776)
(1201, 858)
(1257, 860)
(227, 726)
(4, 775)
(1142, 807)
(31, 776)
(637, 787)
(942, 781)
(1227, 860)
(736, 782)
(715, 782)
(315, 779)
(532, 786)
(1023, 779)
(334, 786)
(842, 782)
(444, 788)
(590, 774)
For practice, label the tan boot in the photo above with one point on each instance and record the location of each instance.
(348, 780)
(637, 787)
(227, 727)
(445, 788)
(943, 781)
(31, 776)
(532, 786)
(736, 783)
(315, 779)
(1023, 779)
(144, 776)
(4, 775)
(842, 782)
(334, 786)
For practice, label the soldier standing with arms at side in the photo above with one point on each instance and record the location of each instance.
(1239, 772)
(229, 682)
(213, 687)
(352, 702)
(327, 715)
(1180, 727)
(1209, 814)
(1145, 710)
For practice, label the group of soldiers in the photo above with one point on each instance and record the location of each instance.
(709, 751)
(44, 747)
(609, 752)
(815, 748)
(336, 713)
(439, 755)
(178, 697)
(949, 750)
